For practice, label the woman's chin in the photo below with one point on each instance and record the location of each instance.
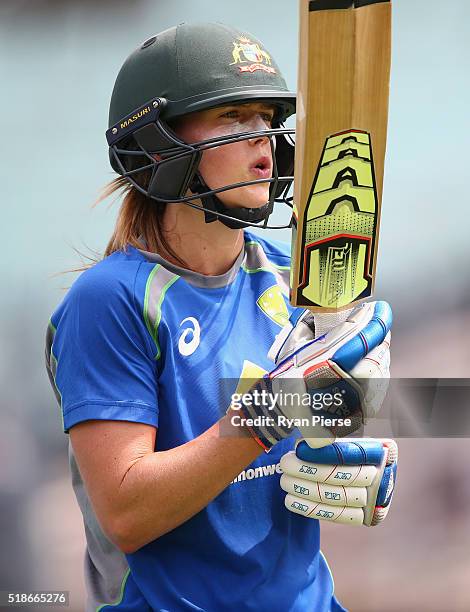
(245, 197)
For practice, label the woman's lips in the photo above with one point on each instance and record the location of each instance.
(262, 168)
(260, 173)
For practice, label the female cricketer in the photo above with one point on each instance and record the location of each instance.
(181, 502)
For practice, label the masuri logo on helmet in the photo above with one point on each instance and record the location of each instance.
(135, 117)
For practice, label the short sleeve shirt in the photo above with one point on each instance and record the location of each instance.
(139, 339)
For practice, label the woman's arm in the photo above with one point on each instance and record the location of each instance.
(138, 494)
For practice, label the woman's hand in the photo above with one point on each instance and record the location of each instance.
(326, 386)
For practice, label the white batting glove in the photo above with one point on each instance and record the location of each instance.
(349, 482)
(325, 386)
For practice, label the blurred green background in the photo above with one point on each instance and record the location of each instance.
(58, 62)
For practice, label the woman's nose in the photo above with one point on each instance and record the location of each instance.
(258, 124)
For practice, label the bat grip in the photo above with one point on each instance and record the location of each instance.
(325, 322)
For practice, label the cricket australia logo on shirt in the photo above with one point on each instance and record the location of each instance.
(273, 305)
(190, 338)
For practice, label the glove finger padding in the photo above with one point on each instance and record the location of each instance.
(349, 482)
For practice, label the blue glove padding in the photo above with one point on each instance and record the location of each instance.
(371, 336)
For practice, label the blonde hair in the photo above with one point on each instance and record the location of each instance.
(136, 219)
(139, 222)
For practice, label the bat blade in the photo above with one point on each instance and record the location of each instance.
(343, 90)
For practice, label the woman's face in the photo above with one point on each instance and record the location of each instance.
(246, 160)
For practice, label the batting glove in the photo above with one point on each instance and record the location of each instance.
(325, 386)
(349, 482)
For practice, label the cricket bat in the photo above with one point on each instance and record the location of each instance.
(341, 130)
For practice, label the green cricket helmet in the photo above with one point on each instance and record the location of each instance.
(189, 68)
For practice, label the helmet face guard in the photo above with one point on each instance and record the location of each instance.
(183, 70)
(145, 151)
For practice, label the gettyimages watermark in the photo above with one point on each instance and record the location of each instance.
(270, 403)
(286, 399)
(281, 405)
(408, 408)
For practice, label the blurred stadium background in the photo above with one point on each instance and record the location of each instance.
(58, 62)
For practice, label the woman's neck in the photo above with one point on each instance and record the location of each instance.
(206, 248)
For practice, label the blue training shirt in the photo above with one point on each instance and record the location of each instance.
(139, 339)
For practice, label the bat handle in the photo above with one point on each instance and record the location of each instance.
(324, 323)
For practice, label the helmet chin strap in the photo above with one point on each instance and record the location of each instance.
(240, 215)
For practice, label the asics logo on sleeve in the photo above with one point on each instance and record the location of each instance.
(190, 338)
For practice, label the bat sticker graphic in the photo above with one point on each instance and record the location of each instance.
(341, 132)
(339, 228)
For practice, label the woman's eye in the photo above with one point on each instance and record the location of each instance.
(231, 114)
(236, 114)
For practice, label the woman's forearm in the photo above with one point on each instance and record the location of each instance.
(166, 488)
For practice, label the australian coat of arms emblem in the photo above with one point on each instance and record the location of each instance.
(250, 57)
